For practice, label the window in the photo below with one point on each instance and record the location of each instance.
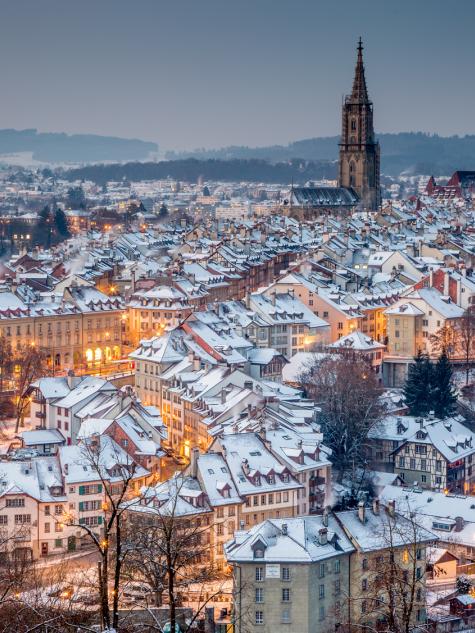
(321, 591)
(285, 573)
(220, 530)
(22, 519)
(3, 519)
(423, 464)
(321, 613)
(337, 566)
(401, 462)
(337, 587)
(259, 617)
(47, 510)
(321, 570)
(286, 594)
(364, 584)
(47, 527)
(438, 465)
(15, 503)
(259, 594)
(364, 563)
(363, 606)
(58, 527)
(58, 542)
(259, 574)
(285, 618)
(258, 553)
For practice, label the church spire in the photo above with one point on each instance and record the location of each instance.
(359, 93)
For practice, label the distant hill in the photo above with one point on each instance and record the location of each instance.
(412, 152)
(190, 169)
(73, 148)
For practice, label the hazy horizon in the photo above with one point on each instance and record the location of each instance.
(211, 74)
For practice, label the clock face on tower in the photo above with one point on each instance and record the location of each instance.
(359, 152)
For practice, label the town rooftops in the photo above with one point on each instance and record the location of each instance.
(293, 540)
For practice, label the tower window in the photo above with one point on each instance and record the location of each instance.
(353, 125)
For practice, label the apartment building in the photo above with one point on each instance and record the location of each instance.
(78, 328)
(291, 574)
(150, 312)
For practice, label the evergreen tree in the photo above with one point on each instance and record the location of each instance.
(418, 386)
(443, 394)
(163, 212)
(61, 224)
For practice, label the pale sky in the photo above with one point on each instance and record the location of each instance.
(209, 73)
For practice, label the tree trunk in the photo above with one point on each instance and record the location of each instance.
(118, 565)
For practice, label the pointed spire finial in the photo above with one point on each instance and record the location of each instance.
(359, 92)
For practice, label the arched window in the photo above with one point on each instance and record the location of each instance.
(352, 174)
(353, 125)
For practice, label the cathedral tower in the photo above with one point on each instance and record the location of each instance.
(359, 151)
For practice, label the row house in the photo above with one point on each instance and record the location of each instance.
(66, 403)
(324, 573)
(151, 311)
(412, 324)
(79, 329)
(427, 452)
(44, 501)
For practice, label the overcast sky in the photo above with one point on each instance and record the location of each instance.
(208, 73)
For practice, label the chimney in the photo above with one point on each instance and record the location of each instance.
(284, 529)
(375, 505)
(361, 511)
(195, 454)
(70, 379)
(323, 536)
(326, 512)
(459, 524)
(66, 469)
(391, 507)
(273, 295)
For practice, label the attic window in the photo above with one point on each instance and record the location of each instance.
(211, 471)
(223, 469)
(270, 479)
(255, 453)
(400, 429)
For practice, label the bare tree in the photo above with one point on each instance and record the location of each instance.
(390, 595)
(348, 394)
(170, 549)
(116, 472)
(445, 339)
(466, 339)
(30, 364)
(6, 362)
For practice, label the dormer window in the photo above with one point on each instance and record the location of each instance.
(270, 479)
(400, 429)
(285, 477)
(420, 435)
(257, 480)
(259, 548)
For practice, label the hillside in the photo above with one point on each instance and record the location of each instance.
(190, 169)
(73, 148)
(412, 152)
